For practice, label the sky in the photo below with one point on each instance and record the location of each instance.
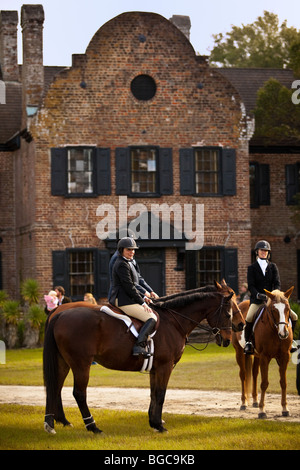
(70, 24)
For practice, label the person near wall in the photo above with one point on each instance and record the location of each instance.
(261, 275)
(125, 295)
(88, 297)
(51, 301)
(62, 299)
(244, 293)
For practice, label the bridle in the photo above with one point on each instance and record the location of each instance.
(276, 324)
(213, 331)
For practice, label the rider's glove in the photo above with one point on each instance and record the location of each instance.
(261, 297)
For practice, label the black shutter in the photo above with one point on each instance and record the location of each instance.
(228, 172)
(102, 273)
(230, 268)
(190, 270)
(187, 171)
(60, 269)
(102, 171)
(264, 184)
(165, 171)
(122, 171)
(291, 183)
(58, 171)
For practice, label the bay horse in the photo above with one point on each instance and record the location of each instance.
(75, 337)
(273, 339)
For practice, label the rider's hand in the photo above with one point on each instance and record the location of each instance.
(153, 295)
(147, 308)
(261, 297)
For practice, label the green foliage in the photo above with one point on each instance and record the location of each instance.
(263, 43)
(3, 297)
(277, 119)
(11, 311)
(36, 316)
(30, 291)
(296, 307)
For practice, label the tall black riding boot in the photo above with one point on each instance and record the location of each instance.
(249, 349)
(146, 330)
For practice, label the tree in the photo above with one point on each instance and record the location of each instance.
(263, 43)
(277, 119)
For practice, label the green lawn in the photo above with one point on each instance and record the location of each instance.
(21, 427)
(212, 369)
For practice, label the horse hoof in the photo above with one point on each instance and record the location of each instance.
(48, 429)
(255, 405)
(160, 429)
(243, 407)
(285, 413)
(262, 415)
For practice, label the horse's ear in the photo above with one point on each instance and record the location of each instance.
(217, 285)
(229, 296)
(288, 293)
(223, 282)
(269, 294)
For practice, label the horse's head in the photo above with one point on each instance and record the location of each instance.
(221, 320)
(279, 308)
(238, 321)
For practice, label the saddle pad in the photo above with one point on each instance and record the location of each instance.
(128, 322)
(148, 362)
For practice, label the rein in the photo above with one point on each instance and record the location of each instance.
(213, 331)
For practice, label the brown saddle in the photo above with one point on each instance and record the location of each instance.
(137, 323)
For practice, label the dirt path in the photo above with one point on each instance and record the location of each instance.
(190, 402)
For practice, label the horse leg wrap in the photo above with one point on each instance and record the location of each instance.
(91, 425)
(88, 421)
(49, 424)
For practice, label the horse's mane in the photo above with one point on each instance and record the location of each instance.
(279, 297)
(184, 298)
(188, 292)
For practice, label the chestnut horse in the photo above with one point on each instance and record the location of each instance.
(75, 337)
(273, 339)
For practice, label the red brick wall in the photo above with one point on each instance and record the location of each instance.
(106, 114)
(273, 222)
(7, 223)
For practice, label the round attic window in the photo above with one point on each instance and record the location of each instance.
(143, 87)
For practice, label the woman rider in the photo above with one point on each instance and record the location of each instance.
(261, 275)
(125, 295)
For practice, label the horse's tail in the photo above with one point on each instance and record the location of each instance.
(248, 374)
(50, 363)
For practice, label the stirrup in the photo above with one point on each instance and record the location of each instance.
(138, 350)
(249, 349)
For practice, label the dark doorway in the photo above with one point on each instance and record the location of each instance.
(151, 262)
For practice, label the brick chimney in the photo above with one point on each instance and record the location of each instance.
(32, 20)
(8, 46)
(183, 23)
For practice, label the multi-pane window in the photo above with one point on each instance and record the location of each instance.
(143, 170)
(81, 272)
(208, 267)
(80, 171)
(207, 168)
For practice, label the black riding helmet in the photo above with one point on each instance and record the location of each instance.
(263, 245)
(127, 242)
